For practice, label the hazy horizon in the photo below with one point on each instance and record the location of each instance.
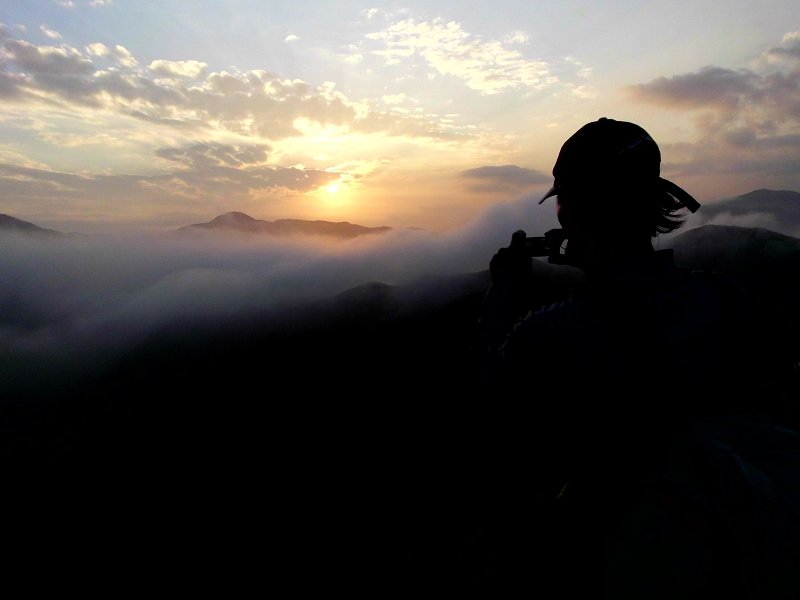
(131, 117)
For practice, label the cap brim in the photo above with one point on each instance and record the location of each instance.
(550, 193)
(680, 194)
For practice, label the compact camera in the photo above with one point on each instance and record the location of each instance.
(549, 245)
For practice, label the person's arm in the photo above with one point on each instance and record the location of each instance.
(507, 300)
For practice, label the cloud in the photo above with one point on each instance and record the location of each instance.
(70, 307)
(99, 3)
(788, 49)
(753, 219)
(584, 92)
(394, 98)
(291, 38)
(198, 155)
(179, 94)
(118, 54)
(66, 3)
(517, 37)
(62, 62)
(190, 69)
(715, 87)
(52, 34)
(486, 66)
(748, 119)
(202, 175)
(505, 177)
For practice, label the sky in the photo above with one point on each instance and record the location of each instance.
(134, 116)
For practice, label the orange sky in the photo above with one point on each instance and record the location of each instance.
(136, 116)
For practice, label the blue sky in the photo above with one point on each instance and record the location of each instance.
(140, 115)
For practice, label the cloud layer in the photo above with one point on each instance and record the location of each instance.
(183, 94)
(487, 66)
(748, 119)
(198, 171)
(80, 304)
(505, 178)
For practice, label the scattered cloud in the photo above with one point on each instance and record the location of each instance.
(291, 38)
(788, 49)
(190, 69)
(370, 13)
(207, 173)
(181, 94)
(118, 54)
(583, 70)
(517, 37)
(748, 120)
(505, 178)
(98, 3)
(51, 33)
(395, 98)
(66, 3)
(715, 87)
(488, 67)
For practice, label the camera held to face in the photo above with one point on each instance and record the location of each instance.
(549, 245)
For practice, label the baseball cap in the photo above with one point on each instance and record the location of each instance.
(609, 150)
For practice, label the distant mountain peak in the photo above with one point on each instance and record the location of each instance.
(767, 192)
(240, 222)
(12, 224)
(778, 210)
(233, 217)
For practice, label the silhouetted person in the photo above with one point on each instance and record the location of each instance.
(632, 432)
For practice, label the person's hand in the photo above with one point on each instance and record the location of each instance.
(512, 264)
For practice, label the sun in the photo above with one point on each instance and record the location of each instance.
(333, 188)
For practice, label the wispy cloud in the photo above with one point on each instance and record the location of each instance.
(715, 87)
(206, 173)
(517, 37)
(748, 119)
(190, 69)
(118, 54)
(489, 67)
(504, 178)
(70, 305)
(51, 33)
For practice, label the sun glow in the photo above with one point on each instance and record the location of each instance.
(333, 188)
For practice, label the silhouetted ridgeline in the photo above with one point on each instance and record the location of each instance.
(237, 222)
(9, 224)
(776, 209)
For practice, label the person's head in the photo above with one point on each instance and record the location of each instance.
(608, 183)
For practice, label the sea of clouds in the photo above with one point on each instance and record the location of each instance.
(79, 303)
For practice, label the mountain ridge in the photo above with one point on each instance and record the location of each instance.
(777, 210)
(12, 224)
(244, 223)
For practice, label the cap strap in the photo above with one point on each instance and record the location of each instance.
(679, 194)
